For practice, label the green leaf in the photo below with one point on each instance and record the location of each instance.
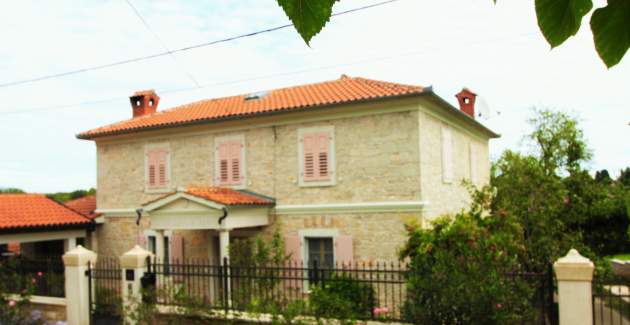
(308, 16)
(611, 31)
(560, 19)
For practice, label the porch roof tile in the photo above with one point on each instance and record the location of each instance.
(36, 211)
(222, 195)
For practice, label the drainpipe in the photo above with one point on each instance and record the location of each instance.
(139, 213)
(225, 214)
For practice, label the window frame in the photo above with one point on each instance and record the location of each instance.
(157, 189)
(332, 162)
(217, 163)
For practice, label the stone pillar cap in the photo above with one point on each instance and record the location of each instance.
(574, 267)
(79, 256)
(135, 258)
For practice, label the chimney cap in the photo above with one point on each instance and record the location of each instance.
(466, 90)
(148, 92)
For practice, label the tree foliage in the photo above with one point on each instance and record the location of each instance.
(557, 19)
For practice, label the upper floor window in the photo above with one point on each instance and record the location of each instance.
(317, 159)
(230, 160)
(447, 155)
(157, 167)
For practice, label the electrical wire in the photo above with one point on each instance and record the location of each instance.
(183, 49)
(162, 43)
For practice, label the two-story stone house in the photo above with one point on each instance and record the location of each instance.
(338, 167)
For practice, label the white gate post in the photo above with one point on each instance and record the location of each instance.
(133, 264)
(575, 301)
(77, 285)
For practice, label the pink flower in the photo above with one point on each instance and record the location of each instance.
(33, 281)
(385, 310)
(40, 273)
(499, 306)
(12, 303)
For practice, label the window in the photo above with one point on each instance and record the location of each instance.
(157, 167)
(230, 161)
(316, 152)
(447, 155)
(320, 251)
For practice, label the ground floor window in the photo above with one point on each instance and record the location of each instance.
(320, 251)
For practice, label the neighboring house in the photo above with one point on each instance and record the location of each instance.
(42, 227)
(338, 167)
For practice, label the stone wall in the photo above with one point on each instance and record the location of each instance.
(377, 160)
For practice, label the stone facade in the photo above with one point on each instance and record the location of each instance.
(380, 156)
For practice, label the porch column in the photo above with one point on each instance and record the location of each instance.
(77, 285)
(224, 242)
(69, 244)
(159, 246)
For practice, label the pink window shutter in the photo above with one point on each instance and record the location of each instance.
(163, 167)
(293, 248)
(224, 173)
(323, 156)
(344, 250)
(236, 164)
(309, 147)
(176, 243)
(152, 166)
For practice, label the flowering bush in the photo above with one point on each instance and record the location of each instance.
(14, 306)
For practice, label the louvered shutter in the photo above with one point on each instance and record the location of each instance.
(235, 162)
(162, 159)
(344, 251)
(323, 156)
(473, 163)
(309, 145)
(293, 248)
(152, 166)
(224, 157)
(447, 155)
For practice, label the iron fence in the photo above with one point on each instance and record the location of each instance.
(611, 301)
(261, 287)
(42, 277)
(105, 291)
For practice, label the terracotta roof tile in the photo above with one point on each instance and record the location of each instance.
(36, 211)
(343, 90)
(228, 196)
(85, 205)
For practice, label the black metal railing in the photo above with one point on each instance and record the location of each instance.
(611, 301)
(254, 287)
(541, 288)
(42, 277)
(105, 287)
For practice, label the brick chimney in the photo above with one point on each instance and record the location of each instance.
(466, 99)
(144, 102)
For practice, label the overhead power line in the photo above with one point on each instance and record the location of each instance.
(411, 53)
(183, 49)
(162, 43)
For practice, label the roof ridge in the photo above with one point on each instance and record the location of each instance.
(69, 208)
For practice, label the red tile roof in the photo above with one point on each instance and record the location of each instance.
(222, 195)
(343, 90)
(85, 205)
(36, 211)
(228, 196)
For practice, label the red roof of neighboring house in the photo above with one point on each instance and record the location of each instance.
(36, 211)
(343, 90)
(222, 195)
(85, 205)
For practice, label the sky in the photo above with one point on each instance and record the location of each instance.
(495, 50)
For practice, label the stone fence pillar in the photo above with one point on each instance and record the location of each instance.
(77, 286)
(133, 264)
(575, 300)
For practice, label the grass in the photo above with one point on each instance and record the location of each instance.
(623, 257)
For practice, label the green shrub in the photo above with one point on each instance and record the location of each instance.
(459, 270)
(342, 297)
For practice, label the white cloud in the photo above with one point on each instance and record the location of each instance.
(494, 49)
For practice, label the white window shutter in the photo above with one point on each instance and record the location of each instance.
(473, 162)
(447, 155)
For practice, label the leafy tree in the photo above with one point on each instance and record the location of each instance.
(10, 190)
(67, 196)
(602, 176)
(557, 19)
(624, 177)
